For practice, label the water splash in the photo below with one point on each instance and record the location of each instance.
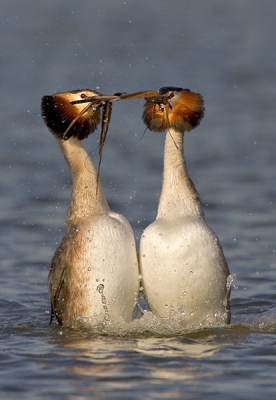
(230, 280)
(100, 289)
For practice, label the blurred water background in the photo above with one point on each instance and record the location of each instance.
(225, 51)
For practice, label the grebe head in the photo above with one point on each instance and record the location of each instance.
(66, 120)
(175, 108)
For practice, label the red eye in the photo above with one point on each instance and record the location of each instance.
(171, 95)
(83, 96)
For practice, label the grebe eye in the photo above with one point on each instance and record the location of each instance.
(171, 95)
(83, 96)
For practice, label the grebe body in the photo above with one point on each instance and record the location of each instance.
(93, 276)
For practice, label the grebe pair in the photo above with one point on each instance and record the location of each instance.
(94, 271)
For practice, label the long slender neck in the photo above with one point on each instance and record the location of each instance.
(178, 195)
(87, 196)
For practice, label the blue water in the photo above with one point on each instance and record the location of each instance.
(225, 51)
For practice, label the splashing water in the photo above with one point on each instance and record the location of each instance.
(100, 289)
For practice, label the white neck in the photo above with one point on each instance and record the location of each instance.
(178, 195)
(87, 196)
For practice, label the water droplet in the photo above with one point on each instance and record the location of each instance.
(181, 309)
(184, 292)
(230, 279)
(100, 288)
(89, 268)
(140, 277)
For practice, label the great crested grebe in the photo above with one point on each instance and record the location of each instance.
(182, 263)
(93, 276)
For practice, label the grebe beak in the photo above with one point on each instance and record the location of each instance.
(139, 95)
(97, 101)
